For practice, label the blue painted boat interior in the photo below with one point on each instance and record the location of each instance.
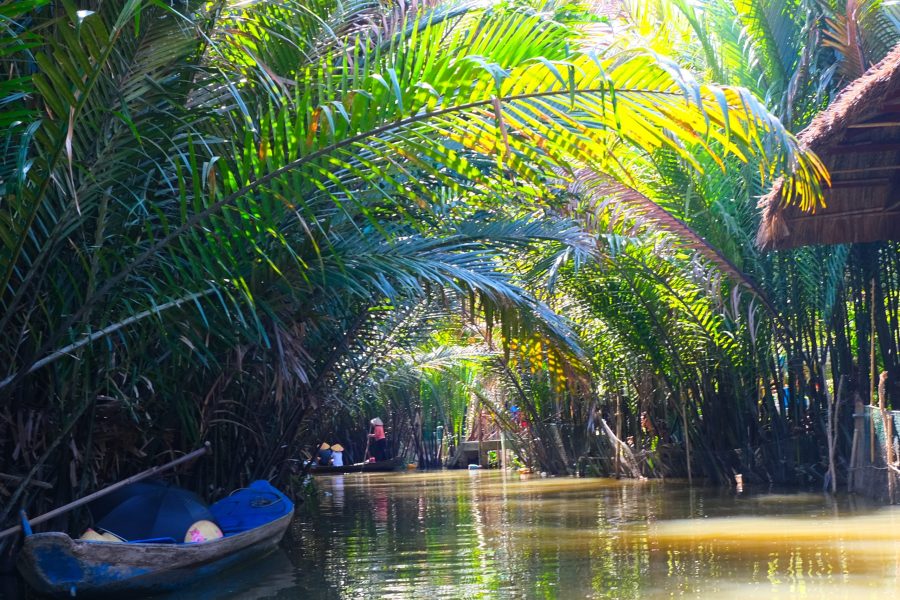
(149, 510)
(250, 507)
(173, 510)
(244, 510)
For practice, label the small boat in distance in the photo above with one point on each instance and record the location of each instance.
(363, 467)
(252, 520)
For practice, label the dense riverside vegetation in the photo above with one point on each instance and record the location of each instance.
(261, 223)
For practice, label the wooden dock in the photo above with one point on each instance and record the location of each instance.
(474, 453)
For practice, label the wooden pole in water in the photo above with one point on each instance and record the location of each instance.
(831, 424)
(368, 440)
(618, 432)
(100, 493)
(872, 370)
(887, 424)
(859, 414)
(687, 439)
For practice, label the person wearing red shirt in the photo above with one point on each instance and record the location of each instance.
(379, 441)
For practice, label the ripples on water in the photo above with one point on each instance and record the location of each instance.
(466, 534)
(478, 535)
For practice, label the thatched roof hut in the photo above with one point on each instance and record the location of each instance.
(858, 139)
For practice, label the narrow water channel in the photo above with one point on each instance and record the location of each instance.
(462, 534)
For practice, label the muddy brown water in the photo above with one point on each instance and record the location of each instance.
(460, 534)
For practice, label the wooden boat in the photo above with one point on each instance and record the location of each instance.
(363, 467)
(253, 521)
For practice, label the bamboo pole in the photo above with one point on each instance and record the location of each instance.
(618, 432)
(872, 370)
(687, 439)
(887, 424)
(368, 441)
(859, 413)
(834, 403)
(100, 493)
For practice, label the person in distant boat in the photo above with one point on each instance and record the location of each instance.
(337, 456)
(325, 454)
(379, 441)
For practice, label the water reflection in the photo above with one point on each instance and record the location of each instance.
(479, 535)
(471, 535)
(265, 577)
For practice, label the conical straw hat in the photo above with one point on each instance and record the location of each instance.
(337, 448)
(92, 536)
(202, 531)
(376, 421)
(324, 446)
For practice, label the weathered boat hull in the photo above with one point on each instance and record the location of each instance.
(56, 565)
(367, 467)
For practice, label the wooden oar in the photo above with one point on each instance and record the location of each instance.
(368, 440)
(91, 497)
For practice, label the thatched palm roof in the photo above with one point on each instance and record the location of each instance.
(858, 139)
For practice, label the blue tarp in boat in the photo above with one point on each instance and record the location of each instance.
(150, 510)
(253, 519)
(249, 508)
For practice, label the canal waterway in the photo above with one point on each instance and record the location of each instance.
(462, 534)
